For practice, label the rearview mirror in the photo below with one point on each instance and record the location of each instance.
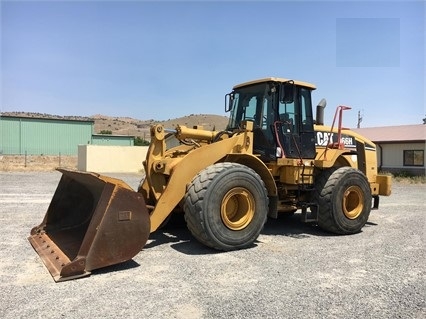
(229, 101)
(287, 92)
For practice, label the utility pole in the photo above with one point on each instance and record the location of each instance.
(358, 125)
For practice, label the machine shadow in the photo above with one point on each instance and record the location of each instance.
(179, 237)
(130, 264)
(292, 226)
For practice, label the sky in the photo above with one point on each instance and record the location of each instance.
(166, 59)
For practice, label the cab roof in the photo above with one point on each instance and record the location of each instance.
(274, 79)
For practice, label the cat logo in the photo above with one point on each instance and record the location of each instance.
(325, 138)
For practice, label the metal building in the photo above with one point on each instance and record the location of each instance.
(50, 136)
(116, 140)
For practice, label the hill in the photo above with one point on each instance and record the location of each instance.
(135, 127)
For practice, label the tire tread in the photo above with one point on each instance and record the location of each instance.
(195, 195)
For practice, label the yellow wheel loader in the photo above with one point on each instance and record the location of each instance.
(273, 158)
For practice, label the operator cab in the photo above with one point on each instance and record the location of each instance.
(281, 111)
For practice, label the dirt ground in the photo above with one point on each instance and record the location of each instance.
(38, 163)
(294, 270)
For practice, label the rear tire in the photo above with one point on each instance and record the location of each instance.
(226, 206)
(344, 199)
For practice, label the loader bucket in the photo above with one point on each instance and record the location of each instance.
(93, 221)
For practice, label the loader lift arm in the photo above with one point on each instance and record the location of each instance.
(168, 172)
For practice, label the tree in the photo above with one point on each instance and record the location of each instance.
(138, 141)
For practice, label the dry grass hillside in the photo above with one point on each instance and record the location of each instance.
(134, 127)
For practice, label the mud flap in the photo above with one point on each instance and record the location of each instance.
(93, 221)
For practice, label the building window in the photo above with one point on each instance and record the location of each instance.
(414, 158)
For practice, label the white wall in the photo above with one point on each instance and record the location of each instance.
(111, 159)
(393, 154)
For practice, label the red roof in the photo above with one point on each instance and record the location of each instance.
(400, 133)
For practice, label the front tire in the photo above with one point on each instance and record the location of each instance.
(344, 199)
(226, 206)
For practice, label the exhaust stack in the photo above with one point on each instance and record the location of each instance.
(320, 112)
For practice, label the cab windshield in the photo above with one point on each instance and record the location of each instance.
(252, 103)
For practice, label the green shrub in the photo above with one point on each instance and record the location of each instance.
(138, 141)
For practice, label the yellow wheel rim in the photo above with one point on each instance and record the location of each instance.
(353, 202)
(237, 209)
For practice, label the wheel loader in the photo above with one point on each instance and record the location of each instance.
(273, 158)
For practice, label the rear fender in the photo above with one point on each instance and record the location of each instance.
(333, 158)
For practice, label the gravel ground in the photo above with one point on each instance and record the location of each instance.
(294, 271)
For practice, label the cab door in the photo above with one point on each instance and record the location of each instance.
(296, 125)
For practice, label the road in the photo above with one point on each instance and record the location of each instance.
(294, 270)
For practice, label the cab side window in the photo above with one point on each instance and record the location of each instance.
(306, 109)
(288, 117)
